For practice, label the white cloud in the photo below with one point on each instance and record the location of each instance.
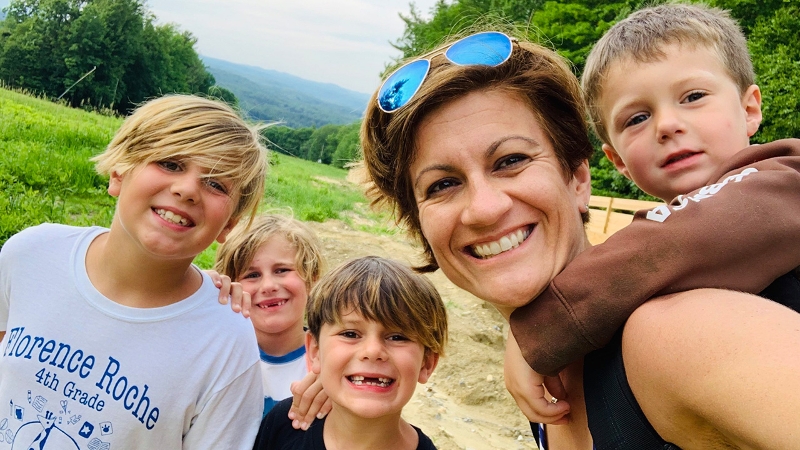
(345, 42)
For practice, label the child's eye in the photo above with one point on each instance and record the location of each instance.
(441, 185)
(636, 120)
(398, 337)
(282, 270)
(348, 334)
(510, 161)
(172, 166)
(694, 96)
(251, 275)
(216, 185)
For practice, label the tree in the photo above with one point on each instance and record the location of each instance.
(47, 46)
(776, 59)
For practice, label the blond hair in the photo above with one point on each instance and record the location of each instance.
(207, 132)
(535, 74)
(236, 254)
(383, 291)
(642, 36)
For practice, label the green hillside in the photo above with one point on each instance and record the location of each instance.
(272, 96)
(46, 175)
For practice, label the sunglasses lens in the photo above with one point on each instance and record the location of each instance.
(489, 49)
(399, 88)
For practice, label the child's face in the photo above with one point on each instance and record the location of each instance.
(366, 369)
(278, 293)
(170, 209)
(674, 121)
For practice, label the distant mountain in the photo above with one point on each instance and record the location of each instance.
(269, 95)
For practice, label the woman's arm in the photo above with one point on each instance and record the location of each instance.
(712, 367)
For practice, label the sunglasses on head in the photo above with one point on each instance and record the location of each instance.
(490, 48)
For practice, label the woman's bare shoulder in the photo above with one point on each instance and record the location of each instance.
(698, 363)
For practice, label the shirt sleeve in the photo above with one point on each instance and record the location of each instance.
(230, 419)
(739, 233)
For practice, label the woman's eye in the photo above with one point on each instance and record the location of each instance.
(636, 120)
(694, 96)
(441, 185)
(511, 160)
(172, 166)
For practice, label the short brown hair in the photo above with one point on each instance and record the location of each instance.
(236, 254)
(536, 74)
(383, 291)
(641, 37)
(208, 132)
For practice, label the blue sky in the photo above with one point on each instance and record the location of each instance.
(345, 42)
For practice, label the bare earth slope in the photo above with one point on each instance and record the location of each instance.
(464, 405)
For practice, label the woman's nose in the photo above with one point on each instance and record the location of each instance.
(486, 203)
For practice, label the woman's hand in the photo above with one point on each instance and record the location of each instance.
(528, 389)
(231, 290)
(309, 402)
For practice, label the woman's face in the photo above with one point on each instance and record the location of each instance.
(495, 206)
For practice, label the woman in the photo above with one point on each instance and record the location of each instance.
(484, 158)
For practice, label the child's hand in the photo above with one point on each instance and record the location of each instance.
(240, 300)
(309, 402)
(528, 389)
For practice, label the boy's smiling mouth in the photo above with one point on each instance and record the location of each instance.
(360, 380)
(170, 216)
(510, 241)
(274, 303)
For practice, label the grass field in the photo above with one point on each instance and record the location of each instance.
(46, 175)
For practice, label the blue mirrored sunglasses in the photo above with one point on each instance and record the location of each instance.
(489, 48)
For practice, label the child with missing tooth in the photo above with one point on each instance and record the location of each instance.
(376, 329)
(277, 260)
(112, 336)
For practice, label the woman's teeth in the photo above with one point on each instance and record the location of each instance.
(505, 243)
(358, 380)
(172, 217)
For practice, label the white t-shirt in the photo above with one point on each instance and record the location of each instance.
(78, 370)
(277, 374)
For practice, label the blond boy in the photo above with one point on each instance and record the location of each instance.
(376, 329)
(277, 260)
(671, 95)
(113, 339)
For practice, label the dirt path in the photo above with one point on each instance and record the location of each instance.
(464, 405)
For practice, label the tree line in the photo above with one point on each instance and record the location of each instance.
(336, 145)
(46, 46)
(99, 54)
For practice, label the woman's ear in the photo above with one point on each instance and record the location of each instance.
(312, 354)
(582, 181)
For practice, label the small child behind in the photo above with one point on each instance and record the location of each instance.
(277, 260)
(376, 329)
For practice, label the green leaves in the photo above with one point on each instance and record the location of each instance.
(46, 46)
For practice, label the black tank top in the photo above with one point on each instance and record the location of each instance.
(615, 419)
